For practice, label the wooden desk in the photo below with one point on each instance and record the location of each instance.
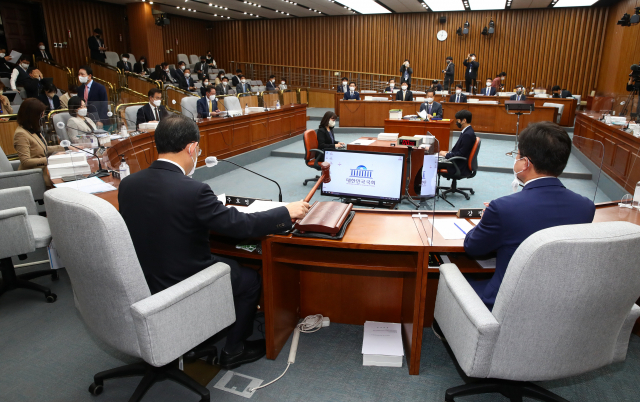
(440, 129)
(339, 96)
(621, 158)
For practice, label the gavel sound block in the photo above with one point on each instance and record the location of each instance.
(324, 217)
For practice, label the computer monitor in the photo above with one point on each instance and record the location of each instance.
(364, 175)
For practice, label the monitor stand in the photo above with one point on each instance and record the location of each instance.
(370, 203)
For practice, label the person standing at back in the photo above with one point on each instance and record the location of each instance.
(498, 82)
(471, 72)
(405, 73)
(344, 87)
(449, 72)
(94, 94)
(97, 46)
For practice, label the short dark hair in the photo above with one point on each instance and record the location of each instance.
(29, 114)
(272, 76)
(489, 79)
(435, 81)
(153, 91)
(345, 79)
(555, 88)
(449, 58)
(187, 69)
(459, 86)
(352, 83)
(433, 91)
(25, 57)
(464, 114)
(210, 87)
(174, 133)
(547, 145)
(224, 78)
(163, 64)
(142, 58)
(238, 70)
(472, 54)
(325, 119)
(125, 55)
(392, 79)
(98, 31)
(519, 86)
(87, 69)
(49, 87)
(502, 74)
(181, 63)
(74, 104)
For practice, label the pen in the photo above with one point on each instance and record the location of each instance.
(459, 228)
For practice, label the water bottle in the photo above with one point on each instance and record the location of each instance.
(246, 108)
(636, 196)
(278, 104)
(124, 168)
(124, 133)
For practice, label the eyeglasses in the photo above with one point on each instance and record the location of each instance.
(514, 155)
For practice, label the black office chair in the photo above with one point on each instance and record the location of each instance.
(457, 175)
(311, 153)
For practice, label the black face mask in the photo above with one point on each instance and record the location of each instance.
(458, 124)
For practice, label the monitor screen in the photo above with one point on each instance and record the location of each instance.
(366, 175)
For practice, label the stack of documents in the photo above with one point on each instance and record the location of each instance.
(362, 142)
(452, 229)
(382, 344)
(260, 206)
(92, 185)
(388, 136)
(395, 114)
(68, 164)
(147, 126)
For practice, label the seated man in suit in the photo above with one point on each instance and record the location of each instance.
(488, 90)
(458, 96)
(178, 73)
(392, 86)
(243, 86)
(352, 94)
(519, 96)
(43, 53)
(224, 88)
(202, 68)
(94, 94)
(557, 93)
(271, 84)
(345, 85)
(543, 152)
(154, 111)
(170, 217)
(236, 78)
(49, 97)
(433, 109)
(436, 85)
(463, 146)
(208, 105)
(124, 63)
(404, 94)
(188, 83)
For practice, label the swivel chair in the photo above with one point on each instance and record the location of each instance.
(311, 153)
(472, 162)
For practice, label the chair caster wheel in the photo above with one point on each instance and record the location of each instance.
(51, 298)
(467, 197)
(95, 389)
(472, 192)
(212, 360)
(55, 276)
(304, 184)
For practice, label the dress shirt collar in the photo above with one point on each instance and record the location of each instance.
(464, 129)
(538, 178)
(88, 85)
(167, 160)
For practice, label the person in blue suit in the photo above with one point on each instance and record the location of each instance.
(544, 202)
(352, 94)
(271, 84)
(519, 96)
(208, 105)
(345, 85)
(433, 109)
(458, 96)
(488, 90)
(94, 94)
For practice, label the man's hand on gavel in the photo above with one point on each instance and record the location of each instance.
(298, 209)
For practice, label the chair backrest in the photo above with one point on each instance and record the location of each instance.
(189, 105)
(183, 57)
(64, 118)
(94, 243)
(131, 114)
(112, 58)
(231, 103)
(194, 59)
(6, 82)
(5, 165)
(558, 106)
(310, 140)
(564, 299)
(473, 157)
(132, 59)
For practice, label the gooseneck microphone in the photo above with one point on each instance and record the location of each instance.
(66, 144)
(211, 161)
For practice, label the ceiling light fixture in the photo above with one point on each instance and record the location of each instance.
(452, 5)
(366, 6)
(574, 3)
(487, 4)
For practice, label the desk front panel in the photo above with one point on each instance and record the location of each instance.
(440, 129)
(495, 119)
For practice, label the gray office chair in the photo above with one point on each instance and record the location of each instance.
(558, 106)
(114, 300)
(11, 177)
(22, 231)
(112, 58)
(566, 306)
(183, 57)
(194, 58)
(232, 105)
(189, 106)
(131, 116)
(64, 118)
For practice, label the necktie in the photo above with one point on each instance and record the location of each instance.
(404, 95)
(210, 106)
(488, 89)
(44, 55)
(429, 109)
(86, 93)
(458, 99)
(155, 109)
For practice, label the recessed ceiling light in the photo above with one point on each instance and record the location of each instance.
(454, 5)
(365, 6)
(487, 4)
(574, 3)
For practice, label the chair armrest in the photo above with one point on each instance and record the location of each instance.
(30, 177)
(622, 344)
(18, 197)
(15, 164)
(174, 321)
(455, 165)
(16, 236)
(468, 325)
(315, 159)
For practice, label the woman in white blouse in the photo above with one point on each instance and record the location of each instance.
(283, 85)
(79, 125)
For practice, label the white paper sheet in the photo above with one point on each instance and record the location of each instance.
(448, 229)
(222, 198)
(92, 185)
(475, 221)
(362, 142)
(261, 206)
(382, 338)
(14, 57)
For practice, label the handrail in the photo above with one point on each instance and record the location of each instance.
(165, 97)
(53, 112)
(67, 70)
(158, 83)
(132, 91)
(102, 64)
(129, 104)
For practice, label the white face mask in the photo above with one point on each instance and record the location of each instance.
(195, 161)
(25, 65)
(166, 71)
(157, 102)
(205, 84)
(41, 47)
(183, 67)
(282, 82)
(458, 91)
(82, 112)
(332, 123)
(344, 84)
(488, 84)
(516, 182)
(473, 57)
(404, 87)
(243, 81)
(124, 59)
(83, 80)
(2, 54)
(352, 89)
(429, 100)
(224, 83)
(212, 97)
(391, 85)
(187, 75)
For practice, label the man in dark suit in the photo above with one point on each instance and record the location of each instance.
(519, 96)
(236, 78)
(97, 46)
(49, 97)
(404, 94)
(5, 65)
(392, 86)
(345, 85)
(243, 86)
(463, 146)
(558, 93)
(189, 84)
(471, 72)
(433, 109)
(124, 64)
(488, 90)
(436, 85)
(202, 68)
(449, 72)
(224, 88)
(170, 217)
(153, 111)
(351, 94)
(458, 96)
(178, 73)
(543, 152)
(93, 93)
(207, 106)
(43, 53)
(271, 84)
(405, 73)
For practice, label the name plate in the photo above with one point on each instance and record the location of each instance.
(470, 213)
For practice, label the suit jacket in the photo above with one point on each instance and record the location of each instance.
(463, 98)
(124, 67)
(437, 87)
(32, 87)
(389, 89)
(270, 86)
(41, 56)
(177, 74)
(78, 128)
(94, 45)
(483, 91)
(204, 70)
(341, 89)
(508, 221)
(188, 82)
(170, 217)
(97, 99)
(159, 75)
(515, 97)
(408, 97)
(435, 108)
(326, 140)
(409, 73)
(139, 69)
(246, 89)
(449, 72)
(203, 106)
(145, 114)
(224, 90)
(235, 80)
(462, 148)
(347, 95)
(33, 152)
(474, 65)
(566, 94)
(44, 99)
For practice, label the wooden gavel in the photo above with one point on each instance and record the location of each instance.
(325, 178)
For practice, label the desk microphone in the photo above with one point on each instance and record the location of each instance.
(66, 144)
(211, 161)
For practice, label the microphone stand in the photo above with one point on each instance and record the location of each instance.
(242, 167)
(100, 172)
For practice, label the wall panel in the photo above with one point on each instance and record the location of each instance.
(193, 37)
(545, 46)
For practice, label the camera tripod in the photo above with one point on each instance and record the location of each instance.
(629, 101)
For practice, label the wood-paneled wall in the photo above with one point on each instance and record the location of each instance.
(82, 17)
(545, 46)
(192, 37)
(622, 49)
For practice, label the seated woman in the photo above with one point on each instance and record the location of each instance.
(283, 85)
(203, 88)
(29, 142)
(218, 79)
(79, 125)
(326, 139)
(142, 67)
